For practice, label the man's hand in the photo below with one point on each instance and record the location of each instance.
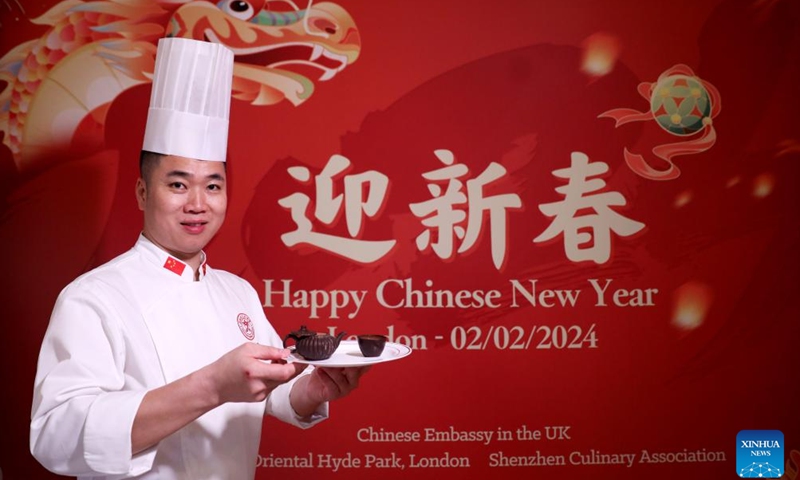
(247, 373)
(324, 385)
(250, 372)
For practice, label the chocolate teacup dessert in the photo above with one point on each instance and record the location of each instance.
(371, 345)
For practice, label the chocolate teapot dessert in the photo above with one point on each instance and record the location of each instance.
(312, 345)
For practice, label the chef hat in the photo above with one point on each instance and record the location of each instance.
(190, 101)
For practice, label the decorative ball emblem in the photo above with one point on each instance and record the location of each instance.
(680, 105)
(246, 326)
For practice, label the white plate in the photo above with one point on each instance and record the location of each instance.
(349, 355)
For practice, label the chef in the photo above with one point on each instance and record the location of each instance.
(156, 365)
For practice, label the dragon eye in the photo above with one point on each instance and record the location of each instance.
(237, 8)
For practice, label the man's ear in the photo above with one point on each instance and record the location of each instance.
(141, 193)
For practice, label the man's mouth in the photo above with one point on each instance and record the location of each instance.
(194, 227)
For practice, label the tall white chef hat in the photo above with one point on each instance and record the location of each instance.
(190, 101)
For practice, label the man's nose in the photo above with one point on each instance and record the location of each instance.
(196, 202)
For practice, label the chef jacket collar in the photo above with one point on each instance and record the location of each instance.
(166, 262)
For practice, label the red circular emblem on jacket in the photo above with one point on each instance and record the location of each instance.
(246, 326)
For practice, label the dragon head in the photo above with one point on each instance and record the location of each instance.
(279, 50)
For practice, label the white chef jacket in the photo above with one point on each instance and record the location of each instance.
(132, 325)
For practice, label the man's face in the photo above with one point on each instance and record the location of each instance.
(184, 203)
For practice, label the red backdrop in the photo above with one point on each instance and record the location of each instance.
(670, 337)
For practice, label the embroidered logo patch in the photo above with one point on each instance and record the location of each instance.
(246, 326)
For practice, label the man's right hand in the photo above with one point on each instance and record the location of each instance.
(247, 373)
(250, 372)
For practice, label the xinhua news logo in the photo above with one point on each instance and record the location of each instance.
(759, 454)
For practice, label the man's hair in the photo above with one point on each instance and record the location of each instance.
(148, 161)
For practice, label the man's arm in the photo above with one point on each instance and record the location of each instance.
(323, 385)
(241, 375)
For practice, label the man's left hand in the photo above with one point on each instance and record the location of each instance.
(324, 384)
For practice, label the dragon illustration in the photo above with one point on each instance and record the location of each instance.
(60, 86)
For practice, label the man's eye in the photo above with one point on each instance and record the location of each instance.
(176, 185)
(214, 187)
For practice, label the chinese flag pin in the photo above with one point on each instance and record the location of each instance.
(174, 266)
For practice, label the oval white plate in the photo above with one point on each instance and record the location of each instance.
(349, 355)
